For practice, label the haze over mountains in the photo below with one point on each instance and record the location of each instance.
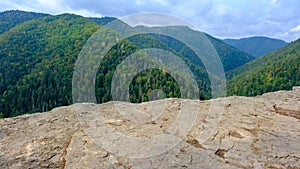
(38, 53)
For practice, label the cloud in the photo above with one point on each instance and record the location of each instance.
(43, 6)
(186, 8)
(296, 29)
(284, 10)
(249, 18)
(221, 18)
(293, 34)
(190, 8)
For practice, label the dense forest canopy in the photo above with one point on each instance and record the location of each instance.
(10, 19)
(38, 54)
(278, 70)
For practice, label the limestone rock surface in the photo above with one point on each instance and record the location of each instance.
(233, 132)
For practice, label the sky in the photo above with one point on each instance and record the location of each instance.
(220, 18)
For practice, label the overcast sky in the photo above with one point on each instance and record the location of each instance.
(220, 18)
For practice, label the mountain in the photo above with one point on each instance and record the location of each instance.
(103, 21)
(10, 19)
(37, 61)
(256, 46)
(255, 132)
(278, 70)
(38, 57)
(230, 57)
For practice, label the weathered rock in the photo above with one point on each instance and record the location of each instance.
(233, 132)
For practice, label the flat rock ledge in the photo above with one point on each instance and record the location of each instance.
(233, 132)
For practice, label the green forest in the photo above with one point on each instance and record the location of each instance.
(10, 19)
(278, 70)
(38, 54)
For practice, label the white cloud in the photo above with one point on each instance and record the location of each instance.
(221, 18)
(296, 29)
(222, 9)
(190, 8)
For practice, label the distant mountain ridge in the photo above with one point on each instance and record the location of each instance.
(230, 57)
(256, 46)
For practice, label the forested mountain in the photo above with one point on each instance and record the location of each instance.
(102, 21)
(256, 46)
(37, 61)
(230, 57)
(10, 19)
(278, 70)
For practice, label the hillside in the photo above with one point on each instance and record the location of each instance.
(278, 70)
(37, 62)
(256, 46)
(230, 57)
(102, 21)
(256, 132)
(38, 57)
(10, 19)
